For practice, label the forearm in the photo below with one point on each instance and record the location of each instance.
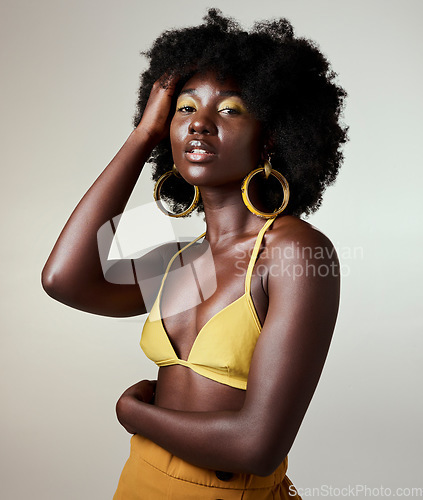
(74, 260)
(222, 440)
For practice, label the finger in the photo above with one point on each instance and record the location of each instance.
(168, 81)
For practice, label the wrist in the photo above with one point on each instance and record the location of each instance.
(146, 136)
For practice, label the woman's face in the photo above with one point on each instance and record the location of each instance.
(215, 140)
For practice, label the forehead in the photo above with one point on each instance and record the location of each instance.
(210, 84)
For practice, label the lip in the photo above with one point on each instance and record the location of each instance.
(200, 157)
(200, 147)
(197, 151)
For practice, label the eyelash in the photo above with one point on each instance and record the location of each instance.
(187, 109)
(232, 110)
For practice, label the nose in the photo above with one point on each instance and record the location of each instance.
(202, 123)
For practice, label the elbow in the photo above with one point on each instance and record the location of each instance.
(262, 466)
(261, 459)
(48, 282)
(51, 283)
(55, 285)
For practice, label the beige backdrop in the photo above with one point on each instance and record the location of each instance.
(69, 76)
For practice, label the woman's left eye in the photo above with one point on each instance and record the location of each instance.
(227, 110)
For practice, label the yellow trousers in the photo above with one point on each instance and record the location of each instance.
(152, 473)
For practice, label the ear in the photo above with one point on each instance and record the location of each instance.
(268, 146)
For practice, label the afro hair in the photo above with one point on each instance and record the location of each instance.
(285, 82)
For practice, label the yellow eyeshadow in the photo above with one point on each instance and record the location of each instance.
(237, 106)
(185, 101)
(181, 103)
(226, 104)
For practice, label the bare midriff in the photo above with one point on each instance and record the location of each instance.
(180, 388)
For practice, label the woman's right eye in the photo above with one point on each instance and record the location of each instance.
(186, 105)
(185, 109)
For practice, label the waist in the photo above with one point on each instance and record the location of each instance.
(160, 459)
(179, 388)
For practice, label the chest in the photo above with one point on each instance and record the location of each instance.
(204, 291)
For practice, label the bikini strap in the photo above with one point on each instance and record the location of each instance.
(254, 255)
(250, 265)
(174, 257)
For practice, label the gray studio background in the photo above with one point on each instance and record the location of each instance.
(69, 74)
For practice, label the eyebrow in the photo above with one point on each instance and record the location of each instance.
(224, 93)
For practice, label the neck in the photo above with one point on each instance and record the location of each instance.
(226, 214)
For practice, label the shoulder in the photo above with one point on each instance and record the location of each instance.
(299, 257)
(295, 239)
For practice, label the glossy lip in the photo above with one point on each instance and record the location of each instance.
(197, 151)
(200, 157)
(199, 145)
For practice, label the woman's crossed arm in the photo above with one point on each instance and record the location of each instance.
(303, 292)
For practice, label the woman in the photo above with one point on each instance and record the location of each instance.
(237, 370)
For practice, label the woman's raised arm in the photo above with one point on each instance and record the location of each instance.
(73, 273)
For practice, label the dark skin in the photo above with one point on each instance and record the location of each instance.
(204, 422)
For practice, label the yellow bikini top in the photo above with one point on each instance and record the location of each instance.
(223, 348)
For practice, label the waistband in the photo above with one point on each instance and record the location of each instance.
(160, 459)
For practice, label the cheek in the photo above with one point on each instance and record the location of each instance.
(172, 130)
(176, 133)
(255, 141)
(247, 143)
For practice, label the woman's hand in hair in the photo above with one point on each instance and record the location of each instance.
(156, 117)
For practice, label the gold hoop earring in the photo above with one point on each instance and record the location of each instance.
(267, 170)
(158, 187)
